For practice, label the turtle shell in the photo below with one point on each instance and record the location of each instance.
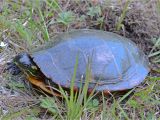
(116, 63)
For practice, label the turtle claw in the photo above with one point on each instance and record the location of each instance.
(12, 68)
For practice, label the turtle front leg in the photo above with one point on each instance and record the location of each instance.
(43, 86)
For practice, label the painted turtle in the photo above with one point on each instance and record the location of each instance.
(116, 63)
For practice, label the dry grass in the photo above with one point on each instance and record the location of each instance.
(24, 25)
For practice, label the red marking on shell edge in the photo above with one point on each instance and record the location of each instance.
(90, 90)
(75, 88)
(106, 92)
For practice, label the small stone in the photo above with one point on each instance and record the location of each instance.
(2, 44)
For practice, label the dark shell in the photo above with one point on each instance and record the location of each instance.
(116, 62)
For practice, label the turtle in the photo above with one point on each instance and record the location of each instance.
(116, 63)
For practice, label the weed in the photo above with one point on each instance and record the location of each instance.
(94, 11)
(65, 18)
(49, 104)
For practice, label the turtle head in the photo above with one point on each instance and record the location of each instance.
(26, 64)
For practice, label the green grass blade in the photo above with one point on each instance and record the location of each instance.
(119, 24)
(44, 28)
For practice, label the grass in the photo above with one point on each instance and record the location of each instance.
(76, 103)
(31, 23)
(119, 24)
(155, 54)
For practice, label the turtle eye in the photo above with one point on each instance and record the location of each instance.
(34, 67)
